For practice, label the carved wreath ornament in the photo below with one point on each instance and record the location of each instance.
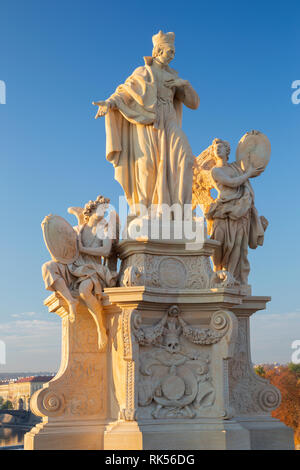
(174, 378)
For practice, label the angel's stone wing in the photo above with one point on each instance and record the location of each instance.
(78, 212)
(202, 180)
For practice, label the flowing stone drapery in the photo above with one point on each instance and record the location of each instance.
(152, 157)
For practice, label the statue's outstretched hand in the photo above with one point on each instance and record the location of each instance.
(253, 172)
(102, 109)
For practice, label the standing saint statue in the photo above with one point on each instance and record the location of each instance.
(151, 154)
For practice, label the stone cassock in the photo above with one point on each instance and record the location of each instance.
(152, 157)
(232, 217)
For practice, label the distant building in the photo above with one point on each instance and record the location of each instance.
(20, 391)
(270, 365)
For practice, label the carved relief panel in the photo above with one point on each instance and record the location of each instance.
(171, 272)
(170, 374)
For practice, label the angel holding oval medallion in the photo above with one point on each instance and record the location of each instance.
(83, 260)
(232, 218)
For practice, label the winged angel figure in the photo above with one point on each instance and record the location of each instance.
(232, 217)
(94, 266)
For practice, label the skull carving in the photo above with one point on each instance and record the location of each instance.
(171, 337)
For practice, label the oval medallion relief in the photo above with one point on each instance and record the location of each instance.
(172, 273)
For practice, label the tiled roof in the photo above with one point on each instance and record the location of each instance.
(38, 378)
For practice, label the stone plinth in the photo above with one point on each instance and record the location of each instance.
(73, 404)
(165, 265)
(177, 372)
(193, 388)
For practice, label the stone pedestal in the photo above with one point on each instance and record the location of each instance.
(74, 403)
(177, 372)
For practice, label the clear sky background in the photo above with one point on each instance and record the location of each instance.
(57, 56)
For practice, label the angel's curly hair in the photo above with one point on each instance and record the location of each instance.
(91, 206)
(224, 142)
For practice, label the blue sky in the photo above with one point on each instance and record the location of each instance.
(57, 56)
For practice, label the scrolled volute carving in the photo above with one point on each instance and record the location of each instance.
(220, 320)
(269, 398)
(46, 402)
(52, 402)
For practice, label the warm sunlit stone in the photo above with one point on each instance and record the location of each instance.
(157, 356)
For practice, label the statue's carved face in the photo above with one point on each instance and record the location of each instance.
(166, 53)
(220, 151)
(98, 214)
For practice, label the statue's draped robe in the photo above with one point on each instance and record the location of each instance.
(236, 218)
(152, 157)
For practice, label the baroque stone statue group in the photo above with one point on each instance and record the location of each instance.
(155, 331)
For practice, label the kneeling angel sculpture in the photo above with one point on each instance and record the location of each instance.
(81, 259)
(232, 218)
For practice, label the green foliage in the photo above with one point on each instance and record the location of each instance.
(6, 405)
(294, 368)
(260, 371)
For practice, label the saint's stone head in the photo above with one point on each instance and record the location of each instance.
(163, 46)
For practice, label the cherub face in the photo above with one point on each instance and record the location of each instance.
(166, 54)
(98, 214)
(94, 218)
(101, 209)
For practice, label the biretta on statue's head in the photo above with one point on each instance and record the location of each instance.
(162, 39)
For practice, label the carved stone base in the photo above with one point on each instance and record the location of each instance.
(177, 372)
(74, 403)
(208, 435)
(264, 434)
(268, 433)
(183, 378)
(82, 435)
